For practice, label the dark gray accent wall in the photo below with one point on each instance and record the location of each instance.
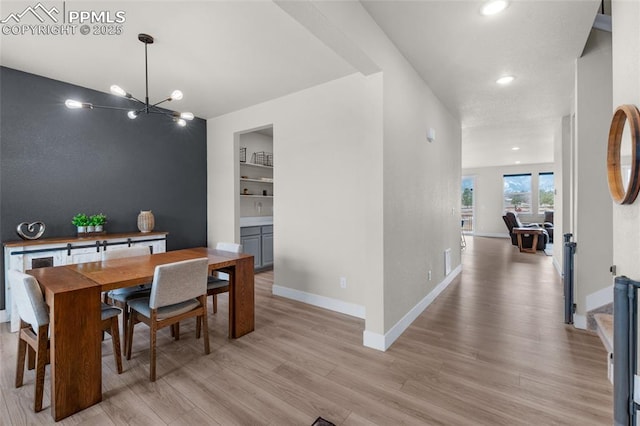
(56, 162)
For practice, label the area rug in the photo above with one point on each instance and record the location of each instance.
(548, 250)
(322, 422)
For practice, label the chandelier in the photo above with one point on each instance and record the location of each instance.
(180, 118)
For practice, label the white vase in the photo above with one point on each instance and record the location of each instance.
(91, 228)
(146, 221)
(99, 228)
(82, 229)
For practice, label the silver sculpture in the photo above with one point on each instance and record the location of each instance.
(31, 228)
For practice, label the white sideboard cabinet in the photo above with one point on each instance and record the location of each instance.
(31, 254)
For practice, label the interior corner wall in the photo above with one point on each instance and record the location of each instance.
(593, 98)
(421, 180)
(327, 144)
(488, 194)
(626, 90)
(56, 162)
(561, 134)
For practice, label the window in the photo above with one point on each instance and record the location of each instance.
(546, 192)
(517, 193)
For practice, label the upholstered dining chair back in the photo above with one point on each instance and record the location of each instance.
(126, 252)
(179, 281)
(232, 247)
(30, 303)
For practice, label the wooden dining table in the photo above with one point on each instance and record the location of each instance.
(73, 295)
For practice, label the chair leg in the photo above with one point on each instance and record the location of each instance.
(215, 303)
(129, 342)
(126, 314)
(198, 327)
(115, 339)
(31, 358)
(22, 352)
(175, 328)
(152, 352)
(41, 362)
(205, 326)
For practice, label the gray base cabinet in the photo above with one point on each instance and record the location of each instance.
(258, 241)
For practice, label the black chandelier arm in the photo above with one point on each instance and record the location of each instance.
(135, 99)
(111, 107)
(158, 103)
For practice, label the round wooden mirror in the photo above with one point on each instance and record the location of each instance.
(623, 163)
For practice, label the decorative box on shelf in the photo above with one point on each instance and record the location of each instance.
(262, 158)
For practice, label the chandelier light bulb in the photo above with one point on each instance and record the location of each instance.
(117, 90)
(176, 95)
(187, 115)
(71, 104)
(132, 114)
(181, 122)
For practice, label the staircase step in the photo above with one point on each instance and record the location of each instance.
(604, 327)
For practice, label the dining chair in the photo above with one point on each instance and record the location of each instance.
(178, 291)
(216, 284)
(34, 330)
(121, 296)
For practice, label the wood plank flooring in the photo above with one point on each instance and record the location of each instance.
(491, 350)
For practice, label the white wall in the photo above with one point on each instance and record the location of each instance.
(562, 136)
(488, 194)
(327, 202)
(421, 181)
(593, 213)
(626, 90)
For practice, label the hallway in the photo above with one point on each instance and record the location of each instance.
(498, 333)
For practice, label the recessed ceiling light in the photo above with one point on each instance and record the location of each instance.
(517, 162)
(493, 7)
(506, 79)
(515, 148)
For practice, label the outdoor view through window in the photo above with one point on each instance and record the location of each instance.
(520, 198)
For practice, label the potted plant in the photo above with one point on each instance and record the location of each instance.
(81, 221)
(98, 221)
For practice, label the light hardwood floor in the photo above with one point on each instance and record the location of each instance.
(491, 350)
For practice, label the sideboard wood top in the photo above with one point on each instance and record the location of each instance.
(88, 239)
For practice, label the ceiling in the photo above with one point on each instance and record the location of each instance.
(460, 54)
(227, 55)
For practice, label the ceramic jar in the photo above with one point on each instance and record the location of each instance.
(146, 221)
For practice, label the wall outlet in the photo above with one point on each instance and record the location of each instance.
(343, 282)
(429, 275)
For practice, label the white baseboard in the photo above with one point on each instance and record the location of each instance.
(324, 302)
(580, 321)
(599, 298)
(490, 235)
(383, 342)
(4, 316)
